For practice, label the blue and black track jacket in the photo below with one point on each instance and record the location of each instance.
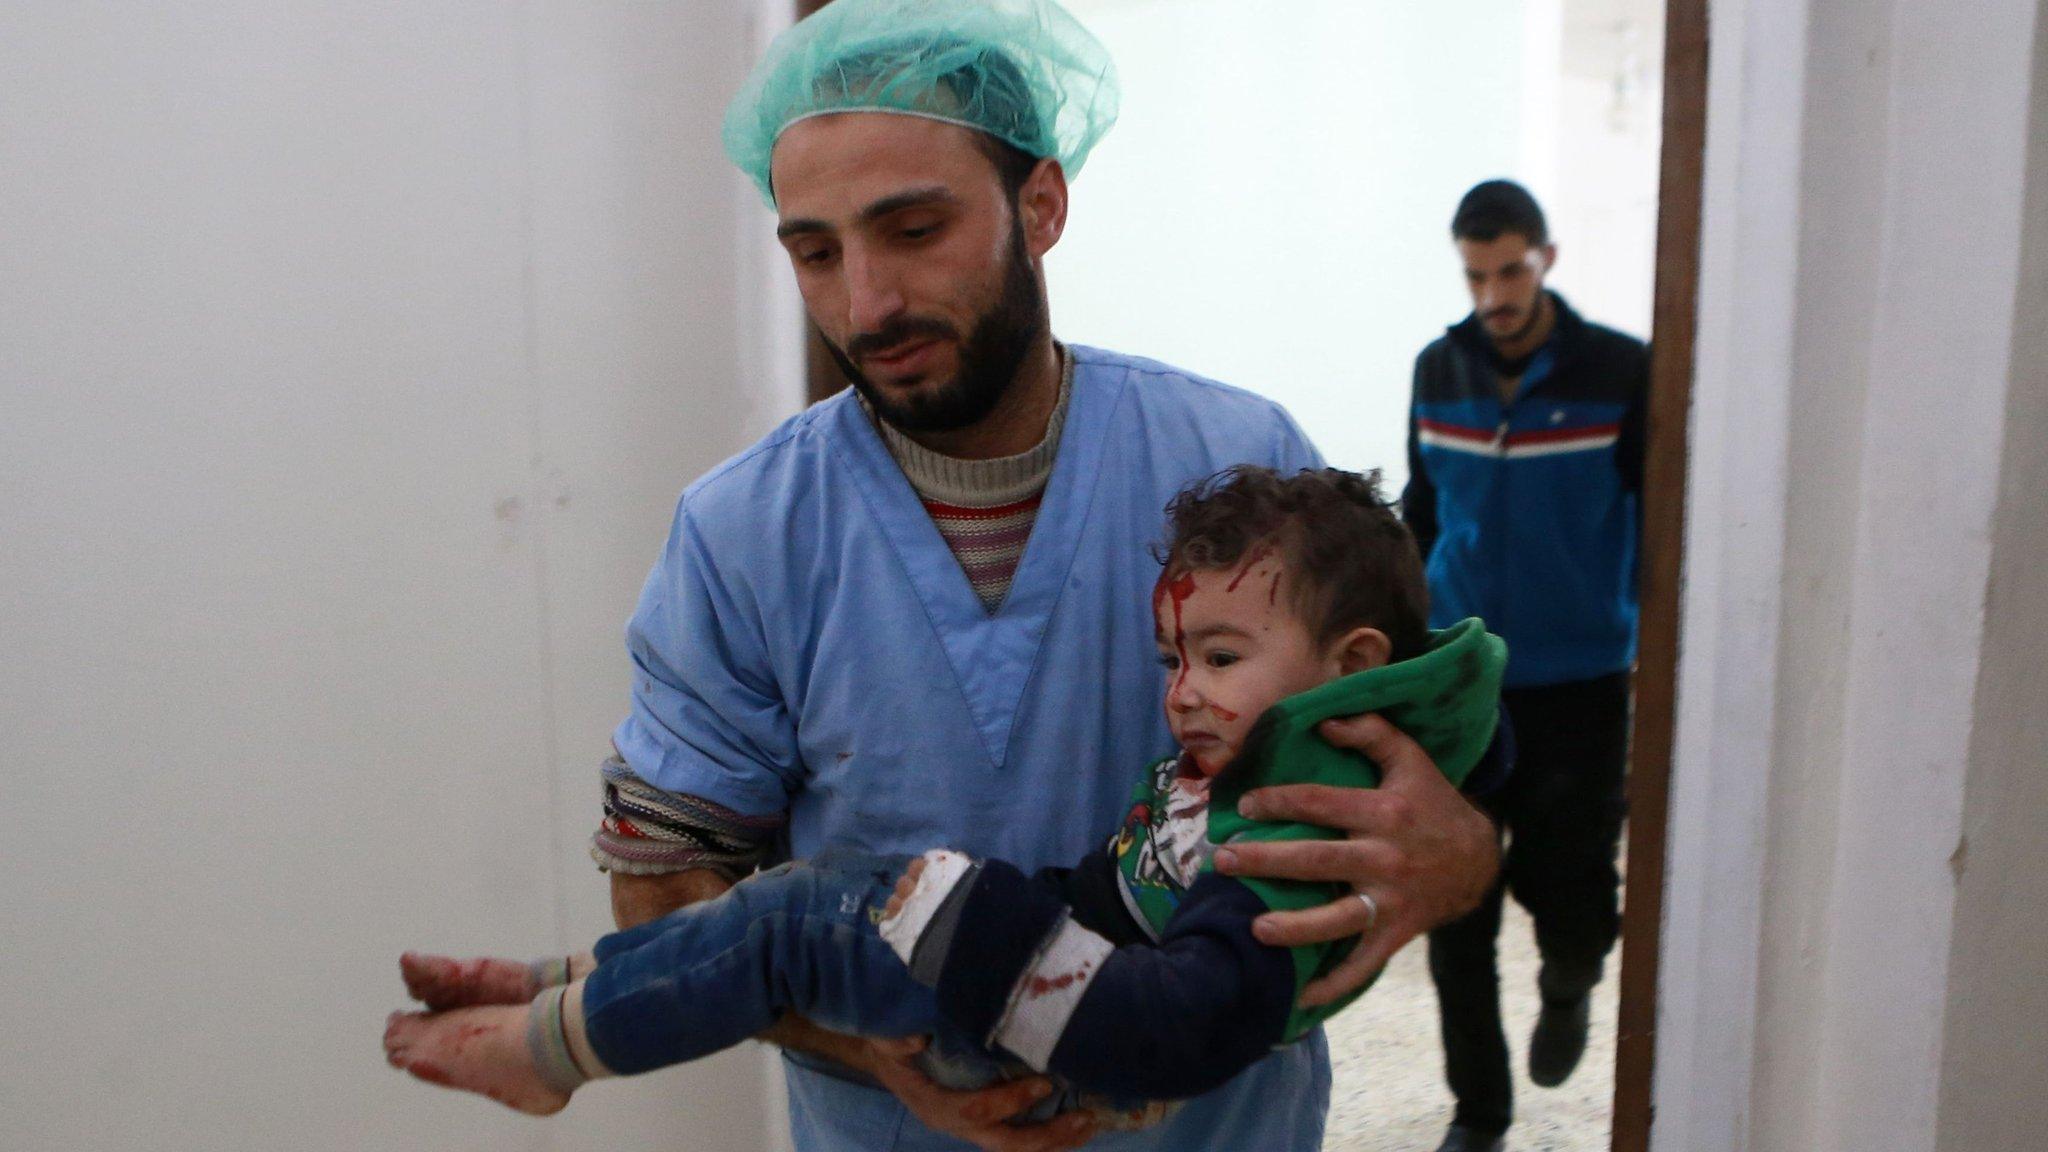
(1529, 512)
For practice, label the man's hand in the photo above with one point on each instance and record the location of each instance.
(975, 1116)
(1417, 847)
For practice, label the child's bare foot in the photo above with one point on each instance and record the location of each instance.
(481, 1049)
(444, 982)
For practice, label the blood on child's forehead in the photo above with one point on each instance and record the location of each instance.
(1170, 593)
(1262, 568)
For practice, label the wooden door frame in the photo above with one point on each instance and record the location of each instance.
(1672, 331)
(1681, 171)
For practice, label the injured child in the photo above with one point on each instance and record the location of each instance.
(1131, 978)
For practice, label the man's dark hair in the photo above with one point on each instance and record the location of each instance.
(999, 97)
(1013, 164)
(1496, 207)
(1354, 563)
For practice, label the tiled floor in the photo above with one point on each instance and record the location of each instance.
(1390, 1094)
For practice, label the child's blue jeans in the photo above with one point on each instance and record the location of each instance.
(796, 938)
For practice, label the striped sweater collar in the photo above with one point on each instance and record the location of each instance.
(942, 479)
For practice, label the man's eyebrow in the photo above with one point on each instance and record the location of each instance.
(914, 198)
(788, 228)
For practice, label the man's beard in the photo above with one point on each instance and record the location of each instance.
(988, 362)
(1526, 328)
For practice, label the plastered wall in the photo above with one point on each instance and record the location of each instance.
(1994, 1074)
(351, 358)
(1839, 969)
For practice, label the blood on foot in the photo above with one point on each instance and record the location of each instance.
(480, 1049)
(444, 982)
(431, 1073)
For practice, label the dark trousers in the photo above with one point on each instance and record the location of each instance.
(1561, 811)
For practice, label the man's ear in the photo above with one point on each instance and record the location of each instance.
(1042, 207)
(1361, 649)
(1549, 251)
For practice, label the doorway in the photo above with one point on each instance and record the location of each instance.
(1315, 151)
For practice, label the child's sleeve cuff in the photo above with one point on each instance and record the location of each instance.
(1047, 993)
(943, 871)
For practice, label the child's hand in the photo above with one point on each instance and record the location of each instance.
(905, 885)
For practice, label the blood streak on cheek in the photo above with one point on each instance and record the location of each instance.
(1222, 713)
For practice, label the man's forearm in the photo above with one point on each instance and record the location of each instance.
(638, 899)
(795, 1032)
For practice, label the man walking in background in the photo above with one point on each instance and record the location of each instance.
(1525, 452)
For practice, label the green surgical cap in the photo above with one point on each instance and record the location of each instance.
(1023, 71)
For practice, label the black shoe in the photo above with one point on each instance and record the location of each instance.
(1558, 1041)
(1463, 1139)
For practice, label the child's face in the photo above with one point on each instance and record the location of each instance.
(1233, 646)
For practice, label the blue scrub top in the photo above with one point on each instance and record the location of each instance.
(807, 645)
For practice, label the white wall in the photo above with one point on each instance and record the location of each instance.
(1840, 677)
(1273, 209)
(1602, 200)
(351, 358)
(1995, 1034)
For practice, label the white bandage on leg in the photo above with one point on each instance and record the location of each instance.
(579, 1039)
(1045, 996)
(552, 972)
(943, 868)
(555, 1039)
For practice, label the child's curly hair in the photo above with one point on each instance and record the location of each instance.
(1353, 562)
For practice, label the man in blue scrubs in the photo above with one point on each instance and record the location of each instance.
(919, 613)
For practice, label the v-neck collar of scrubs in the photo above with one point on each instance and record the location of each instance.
(993, 654)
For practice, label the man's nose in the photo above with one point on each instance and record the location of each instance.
(873, 297)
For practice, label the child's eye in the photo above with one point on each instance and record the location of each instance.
(1222, 659)
(1169, 661)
